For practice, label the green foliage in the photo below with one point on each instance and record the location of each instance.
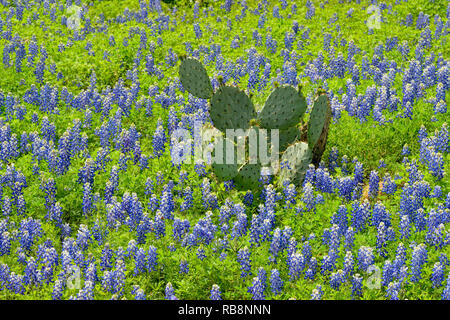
(367, 141)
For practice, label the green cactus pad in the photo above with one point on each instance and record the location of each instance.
(284, 108)
(194, 78)
(252, 149)
(226, 166)
(288, 137)
(317, 119)
(248, 177)
(231, 108)
(298, 157)
(321, 143)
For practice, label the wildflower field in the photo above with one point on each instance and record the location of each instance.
(93, 205)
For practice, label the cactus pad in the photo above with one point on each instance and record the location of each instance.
(298, 157)
(194, 78)
(319, 147)
(231, 108)
(288, 137)
(284, 108)
(225, 166)
(248, 177)
(317, 119)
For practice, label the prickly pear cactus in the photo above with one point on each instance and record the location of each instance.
(295, 161)
(288, 137)
(248, 177)
(317, 119)
(231, 108)
(194, 78)
(284, 108)
(321, 143)
(225, 165)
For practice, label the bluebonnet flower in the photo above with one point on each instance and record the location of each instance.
(139, 261)
(262, 275)
(159, 226)
(392, 291)
(310, 12)
(5, 243)
(389, 272)
(276, 283)
(346, 186)
(84, 237)
(446, 291)
(419, 258)
(271, 44)
(334, 238)
(197, 31)
(349, 239)
(152, 258)
(357, 283)
(180, 228)
(107, 257)
(215, 293)
(310, 273)
(382, 240)
(222, 256)
(317, 293)
(29, 231)
(138, 293)
(49, 187)
(159, 139)
(199, 168)
(201, 253)
(389, 186)
(243, 258)
(374, 181)
(336, 279)
(153, 203)
(15, 283)
(58, 288)
(307, 251)
(308, 197)
(257, 289)
(437, 192)
(170, 293)
(87, 198)
(326, 236)
(239, 226)
(380, 214)
(167, 205)
(290, 193)
(6, 206)
(184, 266)
(296, 265)
(348, 265)
(276, 12)
(365, 257)
(437, 276)
(405, 228)
(340, 219)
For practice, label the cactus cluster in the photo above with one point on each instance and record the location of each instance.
(231, 108)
